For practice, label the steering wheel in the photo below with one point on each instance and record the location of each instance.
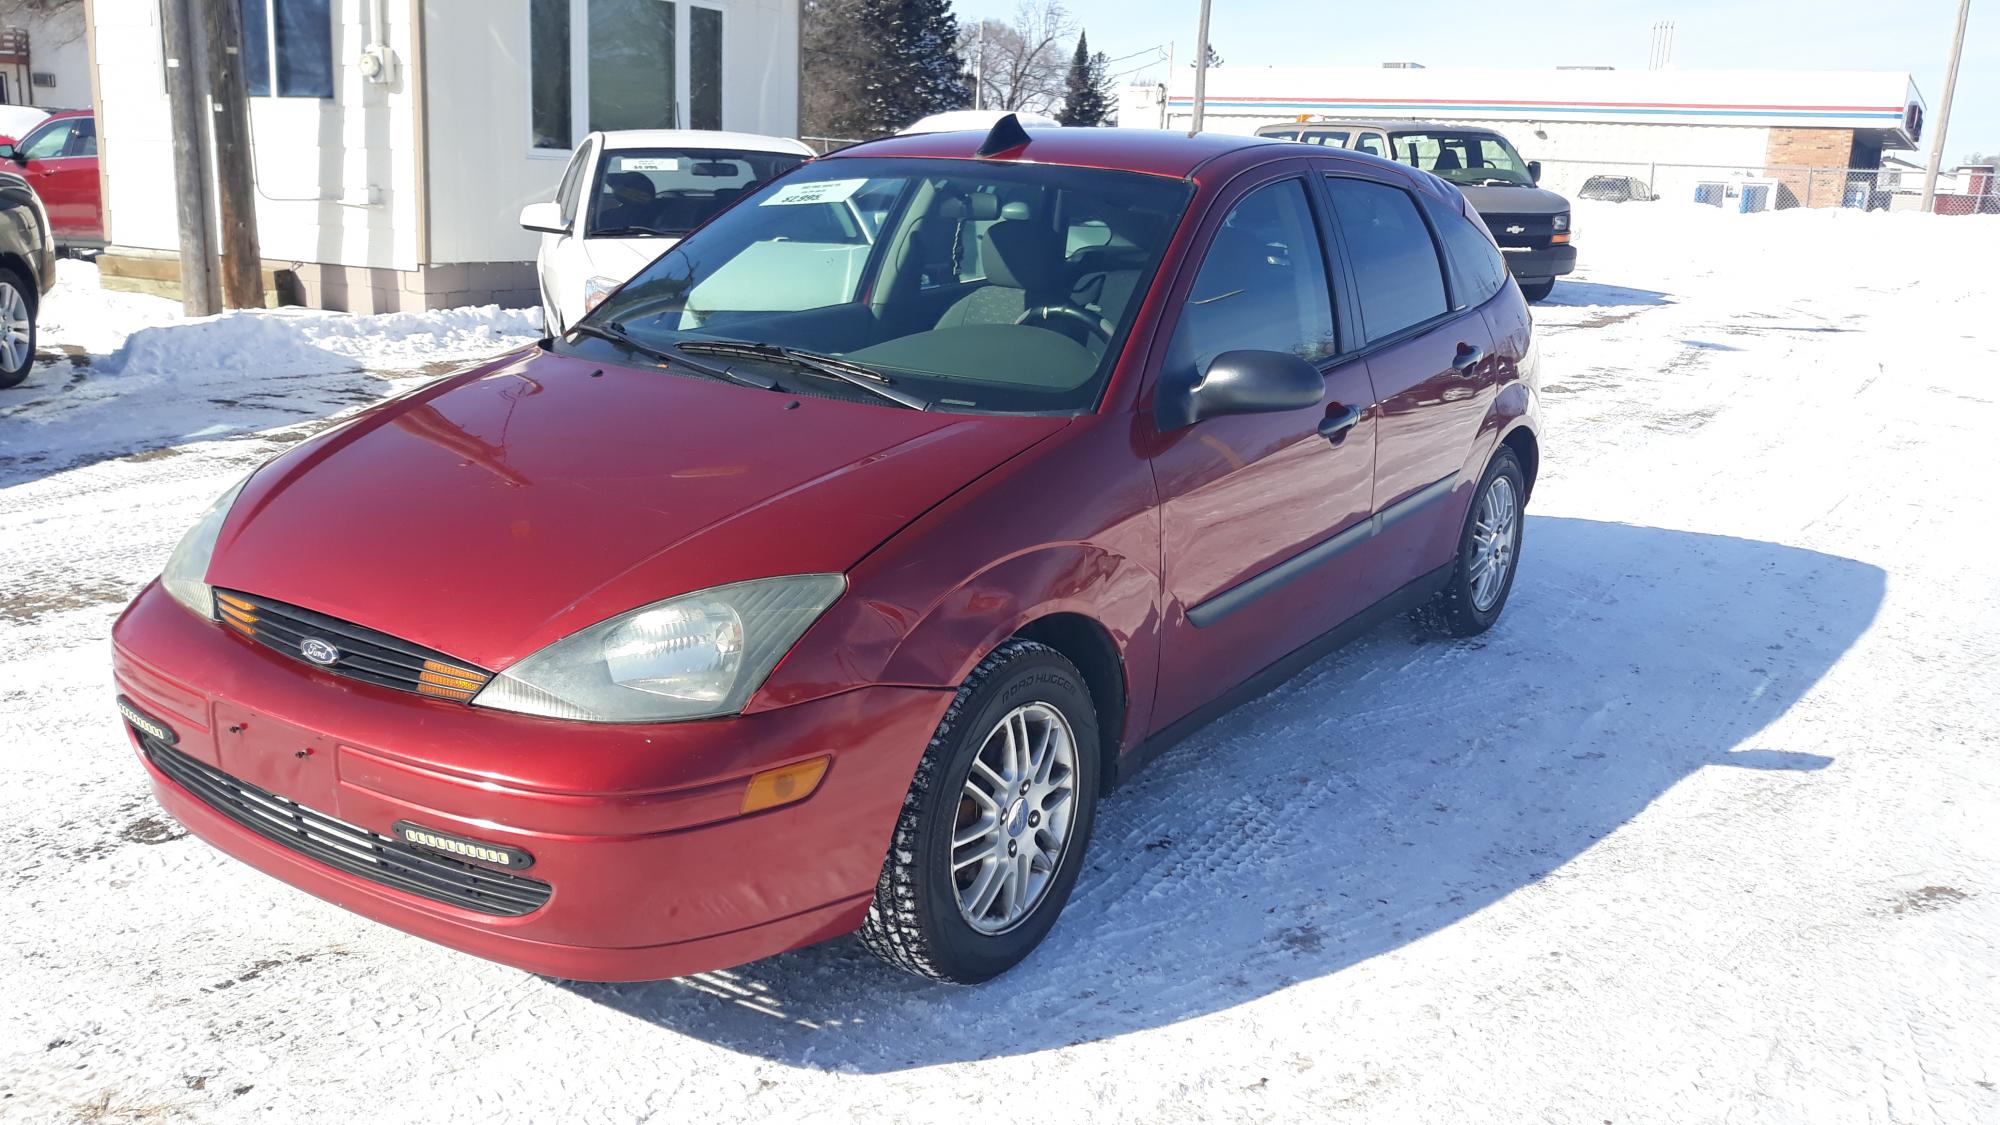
(1097, 325)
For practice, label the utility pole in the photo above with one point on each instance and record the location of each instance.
(200, 293)
(979, 72)
(1200, 72)
(1944, 108)
(229, 134)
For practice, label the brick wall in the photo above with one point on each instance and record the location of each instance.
(1789, 152)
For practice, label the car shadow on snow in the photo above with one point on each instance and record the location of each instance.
(1387, 792)
(1591, 294)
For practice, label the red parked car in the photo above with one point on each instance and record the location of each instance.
(814, 584)
(59, 160)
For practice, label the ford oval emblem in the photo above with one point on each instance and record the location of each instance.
(318, 651)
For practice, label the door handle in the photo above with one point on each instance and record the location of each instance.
(1468, 355)
(1335, 426)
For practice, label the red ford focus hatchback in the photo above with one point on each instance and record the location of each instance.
(827, 575)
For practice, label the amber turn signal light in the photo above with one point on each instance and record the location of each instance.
(784, 785)
(1559, 237)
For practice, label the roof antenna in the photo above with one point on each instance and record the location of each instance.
(1006, 134)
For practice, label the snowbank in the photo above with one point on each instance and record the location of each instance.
(311, 342)
(125, 372)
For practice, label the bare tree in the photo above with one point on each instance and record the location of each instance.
(1024, 64)
(53, 23)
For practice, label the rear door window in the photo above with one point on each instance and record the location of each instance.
(1370, 143)
(1398, 278)
(83, 140)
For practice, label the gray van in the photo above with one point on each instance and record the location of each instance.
(1530, 223)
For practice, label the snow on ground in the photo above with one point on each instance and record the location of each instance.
(1703, 830)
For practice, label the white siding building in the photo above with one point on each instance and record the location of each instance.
(397, 183)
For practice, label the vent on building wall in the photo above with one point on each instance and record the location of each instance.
(45, 79)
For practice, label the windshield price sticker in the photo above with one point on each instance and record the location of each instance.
(648, 164)
(820, 191)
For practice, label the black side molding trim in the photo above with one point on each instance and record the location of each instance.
(1405, 598)
(1319, 554)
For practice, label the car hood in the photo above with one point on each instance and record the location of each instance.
(620, 258)
(1515, 200)
(515, 503)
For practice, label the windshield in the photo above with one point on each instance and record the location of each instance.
(650, 192)
(1464, 158)
(972, 285)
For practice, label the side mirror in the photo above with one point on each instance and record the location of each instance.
(544, 217)
(9, 152)
(1241, 382)
(1535, 170)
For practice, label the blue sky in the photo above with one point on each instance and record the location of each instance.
(1909, 35)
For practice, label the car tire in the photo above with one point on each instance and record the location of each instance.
(1538, 290)
(17, 329)
(1473, 597)
(921, 920)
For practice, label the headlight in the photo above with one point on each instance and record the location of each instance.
(690, 657)
(186, 575)
(598, 288)
(1560, 223)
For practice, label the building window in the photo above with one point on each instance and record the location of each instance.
(548, 72)
(288, 48)
(705, 68)
(645, 64)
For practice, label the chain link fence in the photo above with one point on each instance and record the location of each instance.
(1738, 187)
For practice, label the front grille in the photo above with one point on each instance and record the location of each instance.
(341, 845)
(355, 652)
(1534, 233)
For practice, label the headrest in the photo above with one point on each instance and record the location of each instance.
(1020, 255)
(629, 181)
(980, 207)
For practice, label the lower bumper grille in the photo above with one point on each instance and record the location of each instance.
(341, 845)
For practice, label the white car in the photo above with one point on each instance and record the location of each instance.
(960, 120)
(628, 196)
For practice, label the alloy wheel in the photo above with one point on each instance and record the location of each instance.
(1015, 816)
(1495, 537)
(16, 329)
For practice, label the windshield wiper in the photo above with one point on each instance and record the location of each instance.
(629, 231)
(825, 366)
(617, 335)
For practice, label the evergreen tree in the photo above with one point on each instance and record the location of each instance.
(1087, 95)
(909, 65)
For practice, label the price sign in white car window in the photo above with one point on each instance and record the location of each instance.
(819, 191)
(647, 164)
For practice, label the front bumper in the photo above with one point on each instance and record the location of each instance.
(1528, 264)
(653, 870)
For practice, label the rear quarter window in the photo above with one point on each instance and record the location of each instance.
(1477, 269)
